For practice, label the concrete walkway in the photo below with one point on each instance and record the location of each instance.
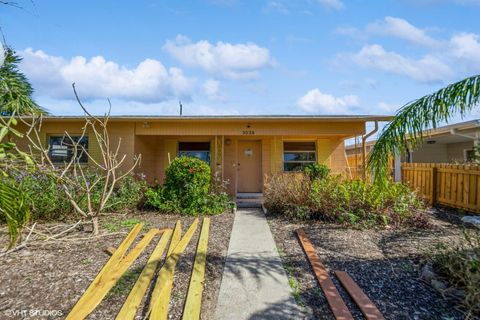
(254, 283)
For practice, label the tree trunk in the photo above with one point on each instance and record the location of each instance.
(95, 228)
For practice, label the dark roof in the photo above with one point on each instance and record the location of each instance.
(239, 117)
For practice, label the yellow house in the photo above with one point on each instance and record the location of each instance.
(242, 150)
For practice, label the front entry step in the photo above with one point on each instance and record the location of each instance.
(249, 200)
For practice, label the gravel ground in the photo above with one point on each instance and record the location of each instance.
(55, 276)
(385, 263)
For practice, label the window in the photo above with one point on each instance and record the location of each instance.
(200, 150)
(469, 155)
(61, 149)
(297, 155)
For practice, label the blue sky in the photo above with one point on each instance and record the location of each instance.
(243, 57)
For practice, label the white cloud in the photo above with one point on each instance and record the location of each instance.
(149, 81)
(387, 108)
(427, 69)
(324, 103)
(235, 61)
(335, 4)
(401, 28)
(211, 88)
(276, 6)
(444, 60)
(466, 48)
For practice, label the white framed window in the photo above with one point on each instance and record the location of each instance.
(297, 155)
(200, 150)
(61, 148)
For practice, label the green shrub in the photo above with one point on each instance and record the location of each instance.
(187, 180)
(187, 190)
(353, 202)
(48, 201)
(129, 193)
(316, 171)
(47, 198)
(460, 268)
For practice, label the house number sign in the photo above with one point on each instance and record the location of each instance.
(248, 132)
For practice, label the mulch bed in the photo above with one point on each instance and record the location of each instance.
(385, 263)
(55, 276)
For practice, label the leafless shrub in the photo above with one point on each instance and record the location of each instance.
(71, 175)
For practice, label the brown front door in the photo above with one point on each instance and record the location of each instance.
(249, 166)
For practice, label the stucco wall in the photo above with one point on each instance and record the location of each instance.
(430, 153)
(123, 133)
(455, 151)
(157, 149)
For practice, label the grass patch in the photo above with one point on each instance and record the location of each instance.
(126, 282)
(292, 281)
(117, 225)
(295, 285)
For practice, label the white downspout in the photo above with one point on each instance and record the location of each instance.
(364, 149)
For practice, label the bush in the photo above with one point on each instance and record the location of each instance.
(460, 268)
(128, 194)
(353, 202)
(48, 201)
(316, 171)
(187, 190)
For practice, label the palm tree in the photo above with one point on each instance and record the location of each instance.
(15, 99)
(407, 127)
(15, 90)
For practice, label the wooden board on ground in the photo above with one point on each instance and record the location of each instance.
(122, 258)
(158, 309)
(335, 301)
(131, 305)
(193, 303)
(366, 305)
(111, 273)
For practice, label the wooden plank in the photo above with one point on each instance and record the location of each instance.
(454, 187)
(114, 259)
(99, 288)
(366, 305)
(134, 299)
(448, 177)
(177, 233)
(337, 305)
(158, 308)
(193, 303)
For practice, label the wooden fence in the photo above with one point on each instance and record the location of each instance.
(452, 185)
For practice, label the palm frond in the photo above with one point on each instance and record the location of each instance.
(15, 90)
(14, 207)
(407, 128)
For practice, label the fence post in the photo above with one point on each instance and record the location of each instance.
(434, 184)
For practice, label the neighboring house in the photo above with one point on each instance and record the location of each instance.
(448, 144)
(241, 149)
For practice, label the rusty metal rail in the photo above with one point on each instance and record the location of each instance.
(335, 301)
(366, 305)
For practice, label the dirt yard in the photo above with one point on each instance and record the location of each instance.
(385, 263)
(52, 278)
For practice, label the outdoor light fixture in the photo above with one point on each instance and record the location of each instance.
(146, 125)
(228, 142)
